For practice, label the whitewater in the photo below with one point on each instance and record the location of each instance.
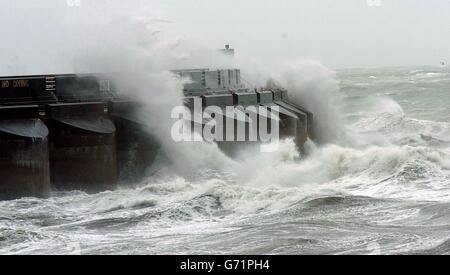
(376, 182)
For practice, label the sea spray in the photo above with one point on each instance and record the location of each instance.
(149, 81)
(315, 87)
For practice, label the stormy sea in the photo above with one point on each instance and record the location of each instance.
(382, 189)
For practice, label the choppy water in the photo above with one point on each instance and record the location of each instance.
(388, 193)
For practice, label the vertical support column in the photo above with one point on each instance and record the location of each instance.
(296, 122)
(82, 147)
(136, 148)
(24, 161)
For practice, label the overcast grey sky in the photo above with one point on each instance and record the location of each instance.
(340, 34)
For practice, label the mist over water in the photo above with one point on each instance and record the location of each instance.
(377, 179)
(312, 85)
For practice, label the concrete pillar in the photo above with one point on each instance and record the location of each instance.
(301, 134)
(295, 121)
(24, 161)
(136, 148)
(82, 147)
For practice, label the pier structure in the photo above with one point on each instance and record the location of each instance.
(77, 132)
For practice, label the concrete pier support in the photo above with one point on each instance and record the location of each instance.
(24, 161)
(296, 121)
(136, 148)
(245, 119)
(292, 121)
(288, 121)
(299, 110)
(82, 147)
(230, 142)
(301, 134)
(90, 137)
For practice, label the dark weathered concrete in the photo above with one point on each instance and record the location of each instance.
(85, 151)
(82, 147)
(136, 148)
(301, 134)
(245, 99)
(24, 167)
(218, 100)
(24, 162)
